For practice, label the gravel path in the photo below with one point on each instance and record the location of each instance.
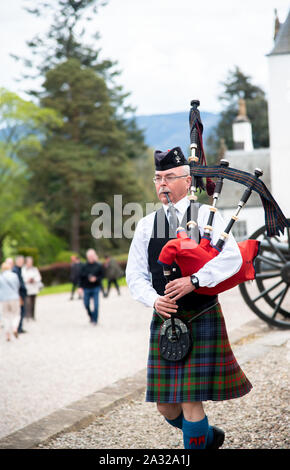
(63, 358)
(255, 421)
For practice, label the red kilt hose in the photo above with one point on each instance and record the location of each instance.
(210, 372)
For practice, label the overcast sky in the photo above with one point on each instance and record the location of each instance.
(169, 51)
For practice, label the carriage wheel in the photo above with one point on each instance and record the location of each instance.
(269, 294)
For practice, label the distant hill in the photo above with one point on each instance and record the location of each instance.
(164, 131)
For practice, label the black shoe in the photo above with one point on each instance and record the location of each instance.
(22, 331)
(218, 438)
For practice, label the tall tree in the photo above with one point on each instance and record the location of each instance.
(22, 221)
(90, 157)
(64, 40)
(238, 85)
(24, 125)
(86, 160)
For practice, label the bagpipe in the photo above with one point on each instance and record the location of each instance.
(191, 256)
(175, 339)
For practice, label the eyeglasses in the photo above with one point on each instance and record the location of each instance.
(166, 179)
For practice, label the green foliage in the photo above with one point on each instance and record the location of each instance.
(57, 289)
(11, 189)
(83, 160)
(26, 228)
(24, 124)
(122, 257)
(78, 147)
(29, 251)
(21, 224)
(145, 169)
(65, 256)
(236, 86)
(89, 158)
(23, 221)
(64, 40)
(257, 110)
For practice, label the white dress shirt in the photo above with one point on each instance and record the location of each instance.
(223, 266)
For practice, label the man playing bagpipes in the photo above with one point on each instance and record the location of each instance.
(190, 358)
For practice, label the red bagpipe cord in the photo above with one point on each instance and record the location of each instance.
(191, 256)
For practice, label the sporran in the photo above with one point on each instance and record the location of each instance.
(175, 340)
(175, 337)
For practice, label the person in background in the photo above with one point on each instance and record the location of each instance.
(17, 268)
(9, 298)
(91, 275)
(10, 263)
(74, 274)
(112, 272)
(32, 281)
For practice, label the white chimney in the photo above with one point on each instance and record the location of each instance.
(242, 129)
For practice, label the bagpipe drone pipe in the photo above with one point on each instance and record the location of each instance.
(191, 256)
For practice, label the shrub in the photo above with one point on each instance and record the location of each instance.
(65, 256)
(56, 273)
(59, 272)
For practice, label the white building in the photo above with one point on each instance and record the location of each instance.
(274, 161)
(245, 158)
(279, 116)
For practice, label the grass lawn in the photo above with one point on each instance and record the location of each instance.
(61, 288)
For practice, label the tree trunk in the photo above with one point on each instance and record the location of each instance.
(75, 227)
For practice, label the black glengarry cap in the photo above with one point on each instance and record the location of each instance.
(170, 159)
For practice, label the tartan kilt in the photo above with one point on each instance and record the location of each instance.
(209, 372)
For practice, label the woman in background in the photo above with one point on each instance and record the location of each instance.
(32, 280)
(10, 301)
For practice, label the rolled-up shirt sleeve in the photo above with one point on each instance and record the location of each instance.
(138, 275)
(227, 262)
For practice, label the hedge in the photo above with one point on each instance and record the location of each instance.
(55, 273)
(59, 273)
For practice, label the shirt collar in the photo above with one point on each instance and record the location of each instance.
(181, 206)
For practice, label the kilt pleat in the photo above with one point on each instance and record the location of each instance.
(209, 372)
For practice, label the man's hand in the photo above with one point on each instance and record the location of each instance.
(165, 306)
(80, 291)
(178, 288)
